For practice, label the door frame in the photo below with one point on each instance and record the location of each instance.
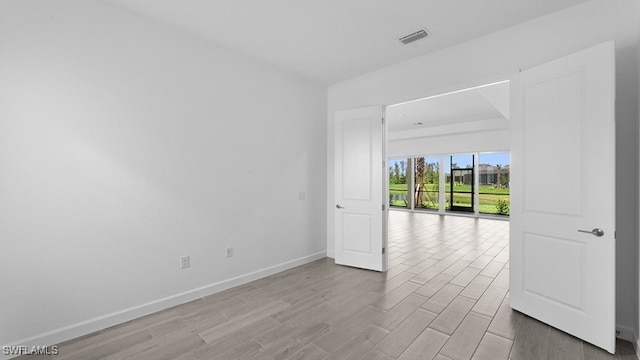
(443, 157)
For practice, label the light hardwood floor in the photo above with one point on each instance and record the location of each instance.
(445, 296)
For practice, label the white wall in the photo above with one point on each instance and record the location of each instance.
(125, 144)
(497, 56)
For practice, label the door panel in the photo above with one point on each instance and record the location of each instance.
(360, 219)
(553, 116)
(356, 155)
(563, 180)
(565, 262)
(356, 232)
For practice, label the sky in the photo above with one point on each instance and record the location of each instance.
(501, 158)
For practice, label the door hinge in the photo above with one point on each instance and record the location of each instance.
(382, 251)
(383, 120)
(383, 207)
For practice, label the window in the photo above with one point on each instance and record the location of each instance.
(493, 172)
(459, 183)
(427, 183)
(473, 183)
(398, 187)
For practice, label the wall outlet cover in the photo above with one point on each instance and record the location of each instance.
(185, 262)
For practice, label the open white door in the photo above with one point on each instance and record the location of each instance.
(360, 211)
(563, 194)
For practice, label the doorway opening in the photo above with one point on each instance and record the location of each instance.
(449, 153)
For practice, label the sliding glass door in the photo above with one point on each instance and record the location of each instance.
(494, 183)
(460, 183)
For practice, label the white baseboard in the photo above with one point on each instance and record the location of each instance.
(628, 334)
(102, 322)
(625, 333)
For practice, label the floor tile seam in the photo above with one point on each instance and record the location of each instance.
(483, 334)
(465, 315)
(467, 297)
(414, 340)
(499, 335)
(404, 298)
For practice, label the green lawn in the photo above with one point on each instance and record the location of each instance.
(489, 196)
(397, 203)
(489, 189)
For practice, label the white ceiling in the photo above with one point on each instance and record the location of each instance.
(476, 105)
(334, 40)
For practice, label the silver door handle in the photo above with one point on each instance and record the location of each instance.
(596, 232)
(340, 207)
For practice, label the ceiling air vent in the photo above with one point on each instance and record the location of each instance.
(409, 38)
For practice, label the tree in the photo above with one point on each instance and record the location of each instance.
(504, 179)
(396, 170)
(432, 177)
(403, 173)
(499, 167)
(419, 191)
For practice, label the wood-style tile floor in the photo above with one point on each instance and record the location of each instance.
(445, 296)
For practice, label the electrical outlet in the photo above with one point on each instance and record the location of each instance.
(302, 195)
(185, 262)
(229, 252)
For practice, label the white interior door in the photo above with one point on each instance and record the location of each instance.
(360, 213)
(563, 183)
